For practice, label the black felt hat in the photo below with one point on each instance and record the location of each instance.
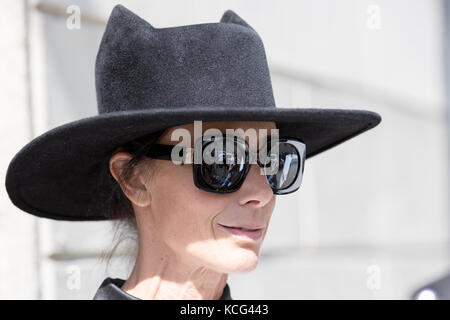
(148, 79)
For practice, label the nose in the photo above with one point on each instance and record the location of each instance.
(255, 190)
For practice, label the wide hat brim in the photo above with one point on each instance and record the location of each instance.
(56, 175)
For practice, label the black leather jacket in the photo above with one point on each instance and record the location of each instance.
(110, 289)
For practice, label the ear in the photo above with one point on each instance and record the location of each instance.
(231, 17)
(134, 187)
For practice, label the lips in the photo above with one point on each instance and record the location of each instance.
(249, 232)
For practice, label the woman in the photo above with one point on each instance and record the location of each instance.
(197, 220)
(184, 250)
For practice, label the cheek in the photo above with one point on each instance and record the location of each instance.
(183, 212)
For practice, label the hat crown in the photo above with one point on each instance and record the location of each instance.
(210, 64)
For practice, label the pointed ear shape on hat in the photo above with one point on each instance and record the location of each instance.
(121, 16)
(124, 34)
(231, 17)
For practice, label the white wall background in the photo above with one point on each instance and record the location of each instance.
(375, 207)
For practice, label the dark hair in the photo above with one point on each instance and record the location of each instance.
(117, 207)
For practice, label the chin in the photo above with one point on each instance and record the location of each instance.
(240, 261)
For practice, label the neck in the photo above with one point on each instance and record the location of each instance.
(160, 274)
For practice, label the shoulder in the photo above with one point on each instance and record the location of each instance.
(110, 289)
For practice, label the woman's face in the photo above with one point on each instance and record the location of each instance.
(190, 221)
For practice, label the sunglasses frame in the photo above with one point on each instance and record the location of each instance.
(164, 152)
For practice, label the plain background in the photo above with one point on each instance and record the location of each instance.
(371, 220)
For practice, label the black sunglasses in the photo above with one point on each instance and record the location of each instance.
(226, 162)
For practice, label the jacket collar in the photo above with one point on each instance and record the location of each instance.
(110, 289)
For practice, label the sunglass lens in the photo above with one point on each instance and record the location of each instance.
(285, 171)
(227, 167)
